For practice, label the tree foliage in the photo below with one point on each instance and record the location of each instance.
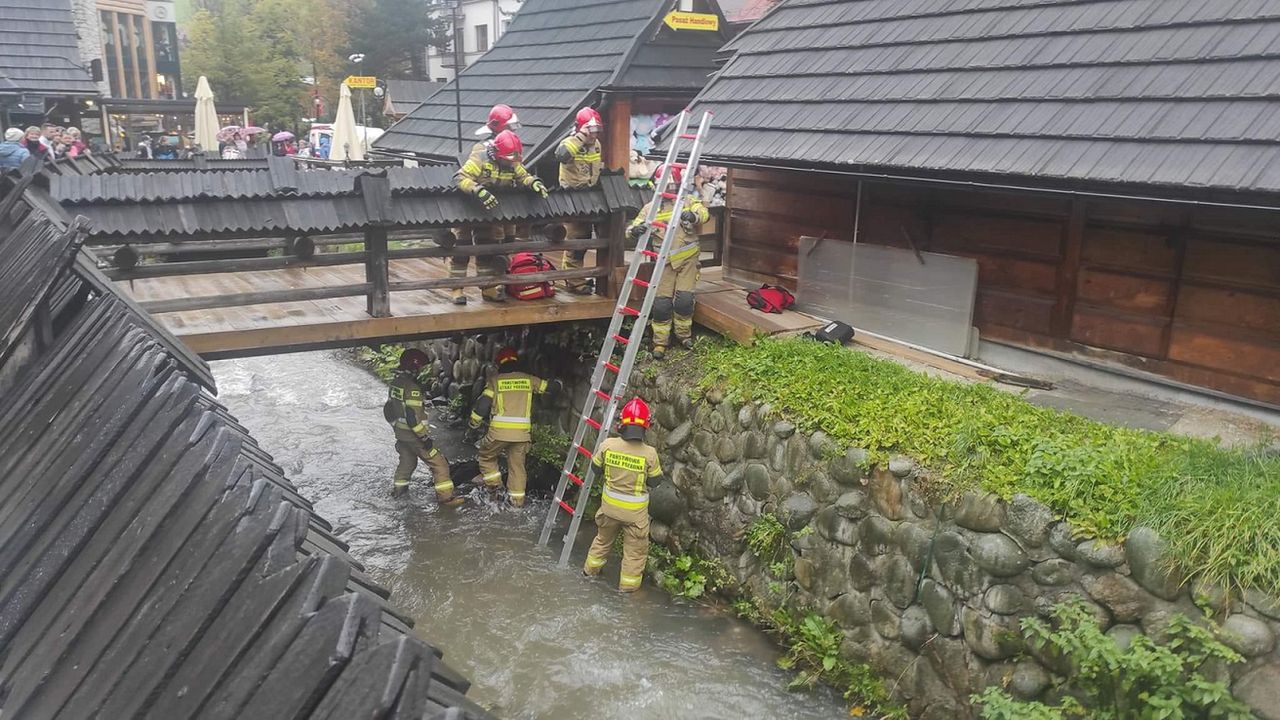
(393, 36)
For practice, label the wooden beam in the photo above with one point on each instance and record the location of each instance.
(617, 133)
(375, 269)
(487, 280)
(204, 267)
(613, 257)
(208, 302)
(535, 246)
(1069, 270)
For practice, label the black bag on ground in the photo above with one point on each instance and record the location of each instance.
(833, 332)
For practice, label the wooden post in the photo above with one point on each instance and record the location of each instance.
(613, 256)
(375, 271)
(1069, 270)
(617, 134)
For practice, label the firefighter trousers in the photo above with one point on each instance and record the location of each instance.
(485, 264)
(489, 450)
(574, 259)
(410, 451)
(673, 305)
(634, 526)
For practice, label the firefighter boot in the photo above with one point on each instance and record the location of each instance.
(459, 296)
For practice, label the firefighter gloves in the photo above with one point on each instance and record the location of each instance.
(489, 199)
(635, 231)
(539, 188)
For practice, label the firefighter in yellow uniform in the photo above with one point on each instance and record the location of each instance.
(493, 164)
(674, 300)
(580, 165)
(507, 402)
(408, 417)
(630, 467)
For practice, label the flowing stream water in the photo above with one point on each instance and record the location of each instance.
(535, 640)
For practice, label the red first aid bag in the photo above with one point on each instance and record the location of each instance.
(526, 262)
(771, 299)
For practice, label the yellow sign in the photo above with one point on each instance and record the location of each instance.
(692, 21)
(366, 82)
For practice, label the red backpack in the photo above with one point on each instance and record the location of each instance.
(771, 299)
(526, 262)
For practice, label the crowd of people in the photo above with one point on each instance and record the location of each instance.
(48, 142)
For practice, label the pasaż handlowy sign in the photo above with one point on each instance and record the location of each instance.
(365, 82)
(692, 21)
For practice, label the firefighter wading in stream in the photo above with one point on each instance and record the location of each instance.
(408, 417)
(580, 165)
(674, 300)
(507, 402)
(629, 467)
(493, 164)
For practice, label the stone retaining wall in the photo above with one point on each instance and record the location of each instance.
(940, 635)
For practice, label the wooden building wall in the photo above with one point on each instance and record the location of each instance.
(1187, 292)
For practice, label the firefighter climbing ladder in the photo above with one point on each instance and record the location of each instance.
(606, 402)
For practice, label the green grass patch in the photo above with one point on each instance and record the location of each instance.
(1215, 507)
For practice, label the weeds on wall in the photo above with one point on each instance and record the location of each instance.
(1145, 681)
(1215, 507)
(687, 575)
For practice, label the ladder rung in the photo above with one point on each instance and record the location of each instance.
(627, 310)
(602, 395)
(649, 253)
(621, 339)
(679, 165)
(689, 136)
(611, 366)
(669, 196)
(592, 422)
(660, 224)
(565, 506)
(583, 450)
(641, 283)
(576, 480)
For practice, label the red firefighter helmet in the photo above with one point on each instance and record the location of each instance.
(635, 413)
(502, 117)
(506, 355)
(507, 146)
(676, 174)
(413, 360)
(588, 119)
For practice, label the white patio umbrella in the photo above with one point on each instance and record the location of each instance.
(346, 143)
(206, 134)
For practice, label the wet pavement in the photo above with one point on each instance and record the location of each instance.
(536, 641)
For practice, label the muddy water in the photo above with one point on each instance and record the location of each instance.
(536, 641)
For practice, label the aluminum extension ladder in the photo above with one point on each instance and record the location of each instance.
(608, 401)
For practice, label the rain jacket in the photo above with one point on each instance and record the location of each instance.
(12, 154)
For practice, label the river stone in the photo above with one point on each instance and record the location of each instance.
(682, 404)
(727, 450)
(1260, 690)
(680, 435)
(659, 532)
(717, 424)
(665, 503)
(835, 528)
(901, 466)
(747, 416)
(886, 493)
(885, 620)
(713, 481)
(915, 628)
(1123, 635)
(804, 570)
(1028, 520)
(1100, 554)
(991, 638)
(940, 605)
(1265, 604)
(898, 580)
(1028, 680)
(1052, 572)
(846, 470)
(820, 445)
(754, 445)
(862, 574)
(823, 488)
(1118, 594)
(784, 429)
(1145, 552)
(956, 565)
(1061, 541)
(850, 610)
(757, 480)
(1248, 636)
(913, 541)
(981, 512)
(798, 510)
(877, 535)
(1004, 599)
(734, 481)
(796, 463)
(1210, 596)
(777, 456)
(704, 442)
(666, 416)
(853, 505)
(998, 555)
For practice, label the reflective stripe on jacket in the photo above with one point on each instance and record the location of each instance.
(627, 465)
(480, 171)
(510, 399)
(685, 243)
(404, 404)
(582, 169)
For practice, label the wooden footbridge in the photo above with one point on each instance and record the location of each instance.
(277, 259)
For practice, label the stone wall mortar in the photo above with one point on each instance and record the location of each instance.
(946, 633)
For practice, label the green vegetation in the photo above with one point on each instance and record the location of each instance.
(383, 359)
(1145, 681)
(687, 575)
(766, 537)
(1215, 507)
(549, 445)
